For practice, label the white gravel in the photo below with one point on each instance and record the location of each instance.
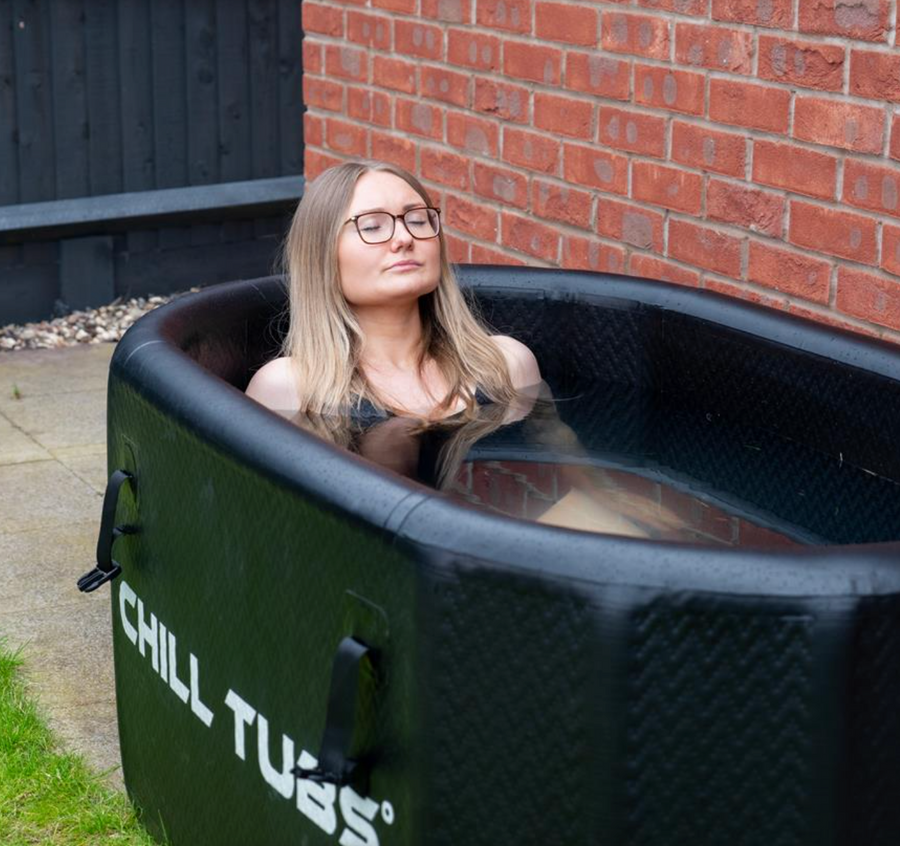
(93, 326)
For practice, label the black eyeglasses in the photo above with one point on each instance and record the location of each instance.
(378, 227)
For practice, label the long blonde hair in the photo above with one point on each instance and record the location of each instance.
(325, 339)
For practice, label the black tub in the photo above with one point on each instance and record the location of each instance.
(522, 684)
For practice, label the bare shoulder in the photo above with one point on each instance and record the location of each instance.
(274, 386)
(523, 366)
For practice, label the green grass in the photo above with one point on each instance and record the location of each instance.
(48, 796)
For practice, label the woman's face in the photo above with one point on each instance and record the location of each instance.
(398, 270)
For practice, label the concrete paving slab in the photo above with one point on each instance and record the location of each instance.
(66, 651)
(44, 494)
(90, 467)
(52, 477)
(93, 731)
(62, 420)
(39, 568)
(66, 370)
(16, 446)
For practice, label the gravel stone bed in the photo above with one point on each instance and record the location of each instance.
(93, 326)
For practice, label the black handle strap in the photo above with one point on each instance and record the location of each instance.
(335, 765)
(106, 568)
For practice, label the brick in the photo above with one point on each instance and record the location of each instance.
(662, 88)
(500, 184)
(749, 208)
(394, 149)
(598, 75)
(438, 83)
(654, 268)
(866, 20)
(788, 272)
(588, 166)
(314, 162)
(346, 138)
(875, 75)
(638, 35)
(324, 19)
(536, 63)
(412, 38)
(806, 63)
(313, 130)
(419, 118)
(869, 297)
(369, 30)
(749, 104)
(508, 102)
(565, 22)
(370, 106)
(561, 202)
(706, 149)
(718, 48)
(353, 2)
(531, 150)
(669, 187)
(473, 218)
(397, 74)
(472, 134)
(346, 62)
(485, 255)
(312, 57)
(322, 94)
(639, 227)
(837, 233)
(626, 129)
(704, 247)
(773, 13)
(591, 254)
(449, 169)
(527, 236)
(894, 150)
(473, 50)
(737, 292)
(511, 15)
(839, 124)
(751, 535)
(795, 169)
(683, 7)
(406, 6)
(448, 11)
(457, 248)
(563, 115)
(873, 187)
(890, 249)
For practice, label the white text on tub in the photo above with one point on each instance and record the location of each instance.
(319, 803)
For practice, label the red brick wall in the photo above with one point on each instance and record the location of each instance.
(745, 146)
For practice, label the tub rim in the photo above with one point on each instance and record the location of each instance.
(414, 515)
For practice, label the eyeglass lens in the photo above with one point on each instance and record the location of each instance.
(378, 227)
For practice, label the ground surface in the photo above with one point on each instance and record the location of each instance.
(52, 478)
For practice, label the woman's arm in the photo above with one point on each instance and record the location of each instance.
(523, 367)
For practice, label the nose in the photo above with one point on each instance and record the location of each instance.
(401, 238)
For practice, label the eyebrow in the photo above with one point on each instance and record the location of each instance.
(420, 205)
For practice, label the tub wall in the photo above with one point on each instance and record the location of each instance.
(749, 148)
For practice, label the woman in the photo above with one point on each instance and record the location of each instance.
(378, 324)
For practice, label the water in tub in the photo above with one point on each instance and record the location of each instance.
(620, 461)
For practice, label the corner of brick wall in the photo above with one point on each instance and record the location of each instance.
(749, 147)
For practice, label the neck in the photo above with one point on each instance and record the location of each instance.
(393, 337)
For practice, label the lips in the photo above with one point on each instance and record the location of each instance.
(405, 265)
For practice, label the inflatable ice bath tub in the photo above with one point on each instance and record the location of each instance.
(310, 649)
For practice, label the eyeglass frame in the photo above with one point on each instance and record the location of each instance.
(394, 218)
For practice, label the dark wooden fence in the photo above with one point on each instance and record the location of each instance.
(116, 119)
